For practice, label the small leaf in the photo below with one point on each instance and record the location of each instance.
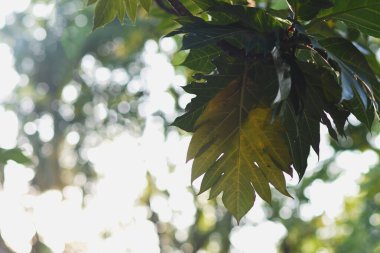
(131, 8)
(13, 154)
(297, 141)
(146, 4)
(104, 13)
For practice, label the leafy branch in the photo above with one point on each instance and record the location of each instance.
(266, 85)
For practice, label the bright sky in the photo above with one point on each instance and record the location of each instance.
(122, 164)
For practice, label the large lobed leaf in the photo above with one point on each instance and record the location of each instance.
(237, 148)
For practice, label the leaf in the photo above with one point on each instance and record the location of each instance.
(131, 8)
(308, 9)
(355, 72)
(207, 34)
(228, 69)
(364, 114)
(205, 4)
(237, 147)
(200, 59)
(107, 10)
(90, 2)
(253, 18)
(339, 116)
(297, 141)
(13, 154)
(363, 15)
(146, 4)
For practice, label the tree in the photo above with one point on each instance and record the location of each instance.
(267, 79)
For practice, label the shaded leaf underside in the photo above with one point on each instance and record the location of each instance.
(238, 149)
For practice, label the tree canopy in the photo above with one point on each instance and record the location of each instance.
(266, 78)
(266, 81)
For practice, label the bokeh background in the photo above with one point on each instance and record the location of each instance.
(92, 111)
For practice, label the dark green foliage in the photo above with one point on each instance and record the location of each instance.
(254, 62)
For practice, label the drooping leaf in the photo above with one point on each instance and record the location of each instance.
(339, 116)
(297, 142)
(105, 12)
(357, 76)
(237, 147)
(308, 9)
(363, 15)
(131, 8)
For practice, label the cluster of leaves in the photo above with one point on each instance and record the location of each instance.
(268, 82)
(107, 10)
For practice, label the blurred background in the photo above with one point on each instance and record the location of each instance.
(102, 170)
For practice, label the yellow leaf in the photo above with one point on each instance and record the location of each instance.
(238, 149)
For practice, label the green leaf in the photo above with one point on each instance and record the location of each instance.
(339, 116)
(208, 34)
(13, 154)
(297, 140)
(146, 4)
(364, 114)
(228, 69)
(200, 59)
(131, 8)
(205, 4)
(107, 10)
(254, 18)
(363, 15)
(355, 73)
(308, 9)
(237, 147)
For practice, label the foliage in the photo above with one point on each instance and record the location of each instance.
(267, 82)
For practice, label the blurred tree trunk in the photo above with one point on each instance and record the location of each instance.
(3, 247)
